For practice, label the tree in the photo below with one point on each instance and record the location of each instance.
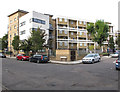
(5, 41)
(118, 41)
(111, 43)
(38, 40)
(15, 43)
(26, 45)
(98, 31)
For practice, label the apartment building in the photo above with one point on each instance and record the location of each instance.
(67, 37)
(73, 38)
(13, 27)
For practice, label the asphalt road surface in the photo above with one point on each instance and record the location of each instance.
(24, 75)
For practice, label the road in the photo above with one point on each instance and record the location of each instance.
(24, 75)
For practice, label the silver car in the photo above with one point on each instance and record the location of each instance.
(91, 58)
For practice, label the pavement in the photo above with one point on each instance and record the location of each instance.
(66, 63)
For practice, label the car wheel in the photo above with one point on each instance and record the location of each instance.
(99, 60)
(116, 68)
(92, 62)
(38, 61)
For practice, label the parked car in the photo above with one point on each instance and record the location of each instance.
(114, 55)
(22, 57)
(91, 58)
(38, 58)
(117, 63)
(2, 55)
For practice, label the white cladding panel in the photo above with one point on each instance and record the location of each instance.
(29, 24)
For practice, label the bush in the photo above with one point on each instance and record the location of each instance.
(105, 54)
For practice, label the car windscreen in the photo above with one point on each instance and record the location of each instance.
(90, 55)
(23, 55)
(37, 56)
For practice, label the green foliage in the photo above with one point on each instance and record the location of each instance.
(111, 43)
(91, 47)
(26, 45)
(38, 40)
(15, 43)
(4, 41)
(98, 31)
(118, 41)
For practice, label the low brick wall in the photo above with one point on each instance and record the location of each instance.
(60, 53)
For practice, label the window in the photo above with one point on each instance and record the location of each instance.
(71, 33)
(22, 24)
(14, 34)
(84, 23)
(65, 20)
(80, 44)
(10, 21)
(22, 32)
(38, 21)
(83, 28)
(14, 26)
(65, 43)
(10, 28)
(14, 19)
(60, 31)
(60, 43)
(65, 32)
(84, 33)
(17, 17)
(71, 22)
(60, 19)
(10, 36)
(80, 33)
(84, 44)
(80, 22)
(71, 45)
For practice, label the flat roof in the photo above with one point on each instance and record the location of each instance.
(17, 12)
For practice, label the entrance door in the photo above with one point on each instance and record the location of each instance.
(73, 55)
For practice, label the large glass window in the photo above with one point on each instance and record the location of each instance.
(60, 43)
(65, 20)
(71, 45)
(80, 22)
(60, 31)
(84, 23)
(65, 32)
(71, 33)
(80, 33)
(80, 44)
(22, 32)
(65, 43)
(60, 19)
(22, 23)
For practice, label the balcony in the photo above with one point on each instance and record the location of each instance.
(73, 46)
(72, 29)
(82, 45)
(62, 21)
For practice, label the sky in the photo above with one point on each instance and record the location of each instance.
(90, 10)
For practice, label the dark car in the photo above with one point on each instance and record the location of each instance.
(22, 57)
(2, 55)
(39, 58)
(117, 63)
